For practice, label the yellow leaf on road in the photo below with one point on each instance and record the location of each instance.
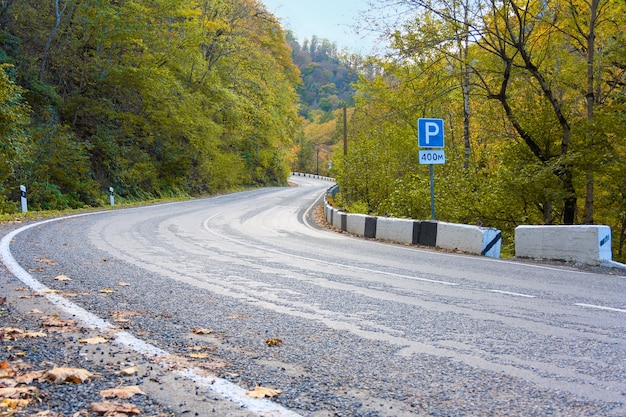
(132, 370)
(274, 342)
(107, 291)
(202, 331)
(62, 278)
(262, 392)
(199, 355)
(93, 340)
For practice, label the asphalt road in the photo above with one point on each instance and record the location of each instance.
(359, 327)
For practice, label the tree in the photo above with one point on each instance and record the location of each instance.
(13, 136)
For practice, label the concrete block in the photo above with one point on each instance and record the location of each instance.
(396, 230)
(460, 236)
(355, 224)
(587, 244)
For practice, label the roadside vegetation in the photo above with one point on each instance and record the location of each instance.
(534, 102)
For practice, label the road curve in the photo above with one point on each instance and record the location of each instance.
(366, 328)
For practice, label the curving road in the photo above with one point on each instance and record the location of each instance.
(367, 328)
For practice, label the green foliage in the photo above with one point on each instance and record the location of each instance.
(533, 147)
(153, 98)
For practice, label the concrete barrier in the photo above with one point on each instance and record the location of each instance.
(355, 224)
(397, 230)
(467, 238)
(587, 244)
(471, 239)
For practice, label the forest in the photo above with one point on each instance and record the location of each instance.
(164, 98)
(532, 94)
(154, 98)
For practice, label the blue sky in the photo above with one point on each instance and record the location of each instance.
(329, 19)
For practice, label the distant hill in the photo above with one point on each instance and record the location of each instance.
(326, 76)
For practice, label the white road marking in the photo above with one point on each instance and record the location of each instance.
(515, 294)
(618, 310)
(319, 261)
(232, 392)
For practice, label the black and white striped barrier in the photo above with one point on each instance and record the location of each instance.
(319, 177)
(586, 244)
(471, 239)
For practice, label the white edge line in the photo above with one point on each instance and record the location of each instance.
(232, 392)
(618, 310)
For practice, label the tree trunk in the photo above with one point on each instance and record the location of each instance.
(590, 97)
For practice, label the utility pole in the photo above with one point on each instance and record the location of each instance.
(345, 130)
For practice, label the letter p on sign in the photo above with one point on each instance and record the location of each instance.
(430, 133)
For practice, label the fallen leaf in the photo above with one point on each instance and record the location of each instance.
(55, 321)
(5, 382)
(106, 291)
(202, 331)
(109, 407)
(122, 284)
(63, 278)
(123, 393)
(33, 334)
(274, 342)
(199, 355)
(14, 403)
(35, 311)
(59, 375)
(132, 370)
(10, 333)
(17, 392)
(28, 377)
(262, 392)
(93, 340)
(52, 291)
(46, 261)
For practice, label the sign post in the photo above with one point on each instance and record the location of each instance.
(429, 136)
(112, 196)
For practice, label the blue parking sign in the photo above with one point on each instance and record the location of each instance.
(430, 133)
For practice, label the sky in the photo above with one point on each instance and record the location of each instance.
(327, 19)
